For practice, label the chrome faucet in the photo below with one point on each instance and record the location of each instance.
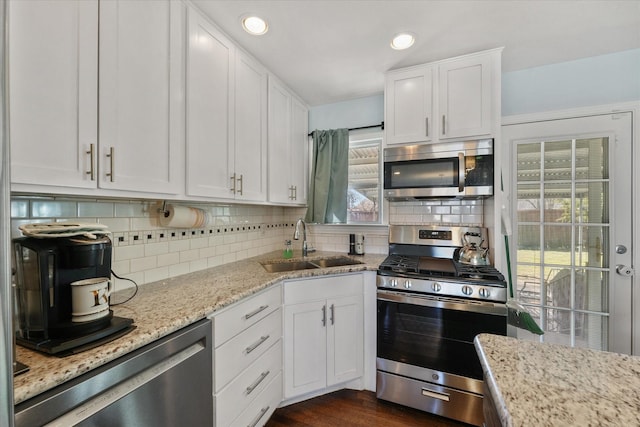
(296, 235)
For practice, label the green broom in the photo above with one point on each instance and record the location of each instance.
(517, 314)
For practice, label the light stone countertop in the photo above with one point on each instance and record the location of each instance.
(166, 306)
(534, 384)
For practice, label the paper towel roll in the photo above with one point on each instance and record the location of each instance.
(183, 217)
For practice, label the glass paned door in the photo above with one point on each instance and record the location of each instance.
(571, 187)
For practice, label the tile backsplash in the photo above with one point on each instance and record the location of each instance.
(146, 252)
(451, 212)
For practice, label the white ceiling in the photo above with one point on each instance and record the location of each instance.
(333, 50)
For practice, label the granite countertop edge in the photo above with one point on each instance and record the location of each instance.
(163, 307)
(547, 384)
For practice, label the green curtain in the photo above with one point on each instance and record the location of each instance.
(327, 202)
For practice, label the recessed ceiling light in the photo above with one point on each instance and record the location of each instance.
(254, 25)
(402, 41)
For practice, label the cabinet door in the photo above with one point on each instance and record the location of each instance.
(210, 60)
(345, 337)
(299, 151)
(408, 106)
(279, 143)
(465, 97)
(250, 129)
(141, 95)
(305, 357)
(53, 78)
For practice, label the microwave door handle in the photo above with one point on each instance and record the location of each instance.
(461, 172)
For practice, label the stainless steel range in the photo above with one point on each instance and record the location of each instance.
(430, 307)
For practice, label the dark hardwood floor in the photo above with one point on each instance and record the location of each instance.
(350, 408)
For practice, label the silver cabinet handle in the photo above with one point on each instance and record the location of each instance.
(91, 172)
(443, 123)
(291, 192)
(257, 382)
(233, 183)
(324, 315)
(435, 394)
(295, 192)
(111, 157)
(332, 314)
(256, 344)
(256, 311)
(426, 125)
(240, 181)
(461, 174)
(263, 411)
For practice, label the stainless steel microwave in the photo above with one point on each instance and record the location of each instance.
(462, 169)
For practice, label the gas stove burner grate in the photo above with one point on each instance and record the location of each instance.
(485, 272)
(400, 264)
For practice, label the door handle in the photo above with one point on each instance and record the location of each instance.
(461, 174)
(624, 270)
(111, 157)
(324, 315)
(233, 183)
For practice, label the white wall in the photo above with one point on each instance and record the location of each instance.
(599, 80)
(354, 113)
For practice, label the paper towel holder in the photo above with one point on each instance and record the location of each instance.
(164, 209)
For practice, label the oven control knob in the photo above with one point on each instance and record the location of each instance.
(407, 284)
(436, 287)
(393, 283)
(484, 292)
(467, 290)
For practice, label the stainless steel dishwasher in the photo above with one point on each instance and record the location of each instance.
(166, 383)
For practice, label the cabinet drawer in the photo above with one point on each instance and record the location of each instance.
(240, 392)
(235, 355)
(240, 316)
(262, 407)
(322, 288)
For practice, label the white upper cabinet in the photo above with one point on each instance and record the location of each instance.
(53, 92)
(299, 151)
(141, 99)
(250, 129)
(450, 99)
(226, 117)
(210, 61)
(58, 140)
(288, 140)
(465, 97)
(409, 106)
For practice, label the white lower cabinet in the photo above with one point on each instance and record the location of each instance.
(247, 360)
(323, 333)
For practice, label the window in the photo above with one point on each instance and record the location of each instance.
(364, 192)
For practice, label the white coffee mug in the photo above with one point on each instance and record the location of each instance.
(90, 298)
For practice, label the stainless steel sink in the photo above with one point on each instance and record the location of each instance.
(278, 267)
(335, 262)
(281, 266)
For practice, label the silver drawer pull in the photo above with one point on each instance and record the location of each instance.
(256, 345)
(435, 394)
(254, 423)
(257, 382)
(256, 311)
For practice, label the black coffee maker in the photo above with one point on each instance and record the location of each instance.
(45, 269)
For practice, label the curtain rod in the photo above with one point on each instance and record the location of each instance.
(381, 125)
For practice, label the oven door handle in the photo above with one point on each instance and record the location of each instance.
(439, 302)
